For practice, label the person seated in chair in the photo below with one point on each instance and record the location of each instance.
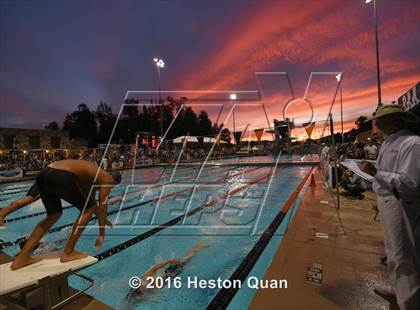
(353, 184)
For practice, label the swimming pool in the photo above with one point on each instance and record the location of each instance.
(230, 225)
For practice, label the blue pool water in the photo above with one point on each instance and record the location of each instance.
(230, 228)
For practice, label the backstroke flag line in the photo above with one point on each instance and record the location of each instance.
(237, 135)
(258, 134)
(309, 128)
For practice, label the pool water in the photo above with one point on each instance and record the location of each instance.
(229, 226)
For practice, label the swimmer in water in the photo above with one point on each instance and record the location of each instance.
(32, 195)
(167, 269)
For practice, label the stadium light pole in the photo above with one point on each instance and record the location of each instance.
(378, 70)
(233, 98)
(160, 64)
(338, 77)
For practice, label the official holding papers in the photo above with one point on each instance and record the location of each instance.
(397, 185)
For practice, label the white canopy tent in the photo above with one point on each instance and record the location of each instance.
(190, 139)
(212, 140)
(194, 139)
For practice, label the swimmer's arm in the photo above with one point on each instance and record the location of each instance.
(101, 210)
(156, 267)
(195, 250)
(14, 206)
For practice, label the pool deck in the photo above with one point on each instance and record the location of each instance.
(349, 249)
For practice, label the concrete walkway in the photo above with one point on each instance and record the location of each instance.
(339, 248)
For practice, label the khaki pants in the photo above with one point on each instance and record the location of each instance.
(400, 247)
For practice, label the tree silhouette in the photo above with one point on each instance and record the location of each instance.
(360, 120)
(190, 122)
(204, 124)
(144, 120)
(128, 124)
(362, 124)
(52, 126)
(81, 123)
(130, 111)
(106, 120)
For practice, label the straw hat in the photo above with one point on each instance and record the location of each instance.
(387, 109)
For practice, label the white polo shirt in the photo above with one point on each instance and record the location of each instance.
(398, 166)
(371, 151)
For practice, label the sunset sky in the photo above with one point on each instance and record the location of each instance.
(57, 54)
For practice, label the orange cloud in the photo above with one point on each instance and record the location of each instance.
(308, 36)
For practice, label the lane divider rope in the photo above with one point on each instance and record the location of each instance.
(118, 248)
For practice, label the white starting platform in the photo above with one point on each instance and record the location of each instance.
(44, 283)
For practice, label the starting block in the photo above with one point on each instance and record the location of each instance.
(44, 283)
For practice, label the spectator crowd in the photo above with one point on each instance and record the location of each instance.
(118, 156)
(351, 183)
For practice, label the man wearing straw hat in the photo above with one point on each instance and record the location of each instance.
(397, 185)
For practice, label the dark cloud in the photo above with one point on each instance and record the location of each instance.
(57, 54)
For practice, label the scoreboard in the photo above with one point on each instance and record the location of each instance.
(146, 139)
(411, 98)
